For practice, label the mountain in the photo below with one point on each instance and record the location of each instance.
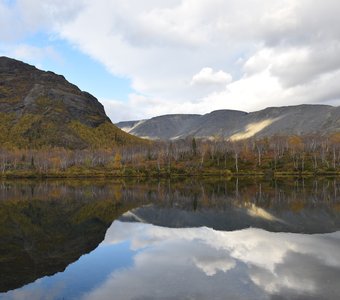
(164, 127)
(39, 108)
(237, 125)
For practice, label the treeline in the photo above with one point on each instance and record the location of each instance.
(275, 155)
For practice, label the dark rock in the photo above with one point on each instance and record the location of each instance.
(25, 89)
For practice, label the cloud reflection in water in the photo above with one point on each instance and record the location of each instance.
(201, 263)
(143, 261)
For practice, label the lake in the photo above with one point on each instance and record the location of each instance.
(241, 238)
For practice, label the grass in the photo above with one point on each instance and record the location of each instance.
(36, 131)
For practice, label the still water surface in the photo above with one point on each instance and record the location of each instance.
(236, 239)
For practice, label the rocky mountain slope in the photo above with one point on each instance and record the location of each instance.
(237, 125)
(39, 108)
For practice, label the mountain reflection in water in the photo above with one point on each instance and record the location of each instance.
(152, 250)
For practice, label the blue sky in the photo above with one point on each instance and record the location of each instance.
(147, 58)
(78, 68)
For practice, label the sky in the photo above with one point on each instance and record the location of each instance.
(147, 58)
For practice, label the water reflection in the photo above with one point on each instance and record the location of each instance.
(51, 227)
(201, 263)
(300, 206)
(46, 226)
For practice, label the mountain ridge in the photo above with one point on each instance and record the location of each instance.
(303, 119)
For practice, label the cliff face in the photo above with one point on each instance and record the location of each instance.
(39, 108)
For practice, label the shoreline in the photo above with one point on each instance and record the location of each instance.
(161, 175)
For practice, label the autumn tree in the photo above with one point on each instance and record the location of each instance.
(117, 161)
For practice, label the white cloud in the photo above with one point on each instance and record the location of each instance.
(275, 51)
(24, 17)
(207, 76)
(210, 264)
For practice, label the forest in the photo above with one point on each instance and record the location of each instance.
(276, 156)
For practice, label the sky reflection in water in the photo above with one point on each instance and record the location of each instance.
(143, 261)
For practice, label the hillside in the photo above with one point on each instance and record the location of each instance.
(39, 109)
(163, 127)
(238, 125)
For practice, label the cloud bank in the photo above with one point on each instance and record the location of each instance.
(195, 56)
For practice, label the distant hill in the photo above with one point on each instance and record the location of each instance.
(163, 127)
(237, 125)
(39, 109)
